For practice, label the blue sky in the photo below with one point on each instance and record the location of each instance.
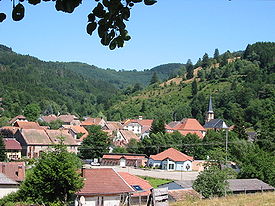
(171, 31)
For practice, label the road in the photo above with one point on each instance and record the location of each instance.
(173, 175)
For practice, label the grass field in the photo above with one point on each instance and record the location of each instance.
(155, 182)
(258, 199)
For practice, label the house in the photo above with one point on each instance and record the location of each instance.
(123, 159)
(28, 125)
(13, 148)
(123, 137)
(103, 186)
(8, 131)
(78, 132)
(33, 142)
(69, 141)
(237, 186)
(69, 119)
(13, 170)
(187, 126)
(141, 186)
(177, 185)
(171, 159)
(36, 141)
(141, 127)
(211, 122)
(93, 121)
(112, 125)
(17, 119)
(48, 118)
(7, 185)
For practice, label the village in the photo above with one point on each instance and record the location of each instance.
(114, 178)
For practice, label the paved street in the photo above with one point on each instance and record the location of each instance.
(173, 175)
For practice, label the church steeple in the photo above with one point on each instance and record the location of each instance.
(210, 112)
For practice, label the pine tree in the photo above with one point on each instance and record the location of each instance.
(154, 78)
(194, 87)
(189, 69)
(217, 55)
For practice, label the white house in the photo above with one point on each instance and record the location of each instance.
(171, 159)
(140, 127)
(103, 187)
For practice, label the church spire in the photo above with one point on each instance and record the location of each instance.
(210, 112)
(210, 107)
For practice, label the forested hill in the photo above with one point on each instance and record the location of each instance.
(123, 78)
(66, 87)
(25, 79)
(241, 84)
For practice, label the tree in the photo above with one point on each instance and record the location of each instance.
(194, 87)
(32, 112)
(154, 78)
(190, 69)
(108, 17)
(119, 150)
(217, 55)
(2, 148)
(54, 178)
(205, 61)
(266, 137)
(212, 182)
(95, 145)
(158, 126)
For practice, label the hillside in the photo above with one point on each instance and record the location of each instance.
(256, 199)
(123, 78)
(25, 79)
(242, 89)
(66, 87)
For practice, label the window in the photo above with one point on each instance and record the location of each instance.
(137, 188)
(171, 166)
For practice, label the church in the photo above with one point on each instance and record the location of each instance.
(210, 121)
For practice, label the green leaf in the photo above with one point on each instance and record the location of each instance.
(18, 12)
(99, 11)
(91, 27)
(91, 17)
(113, 44)
(149, 2)
(2, 17)
(136, 1)
(34, 2)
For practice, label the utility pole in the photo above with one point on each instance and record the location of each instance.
(226, 144)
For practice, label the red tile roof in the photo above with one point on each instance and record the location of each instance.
(20, 117)
(54, 134)
(13, 170)
(13, 130)
(12, 144)
(67, 118)
(172, 154)
(128, 135)
(134, 180)
(103, 181)
(49, 118)
(91, 121)
(114, 156)
(27, 125)
(142, 122)
(77, 129)
(189, 124)
(35, 137)
(198, 133)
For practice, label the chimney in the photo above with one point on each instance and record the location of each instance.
(20, 173)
